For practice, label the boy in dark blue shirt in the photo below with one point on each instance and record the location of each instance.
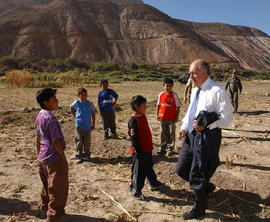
(85, 113)
(106, 104)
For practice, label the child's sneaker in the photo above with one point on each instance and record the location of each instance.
(169, 153)
(42, 214)
(161, 151)
(114, 136)
(139, 196)
(106, 138)
(78, 159)
(87, 158)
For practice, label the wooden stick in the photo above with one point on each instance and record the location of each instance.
(258, 171)
(156, 212)
(119, 205)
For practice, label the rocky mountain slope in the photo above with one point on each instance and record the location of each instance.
(102, 30)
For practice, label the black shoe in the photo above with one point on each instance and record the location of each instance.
(156, 186)
(139, 196)
(193, 213)
(209, 188)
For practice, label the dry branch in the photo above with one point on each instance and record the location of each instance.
(155, 212)
(119, 205)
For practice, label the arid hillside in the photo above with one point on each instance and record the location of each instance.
(124, 32)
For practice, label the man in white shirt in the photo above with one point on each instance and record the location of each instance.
(197, 165)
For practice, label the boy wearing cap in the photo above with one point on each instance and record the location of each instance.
(53, 166)
(105, 105)
(85, 113)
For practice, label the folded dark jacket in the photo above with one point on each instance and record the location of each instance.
(206, 150)
(206, 118)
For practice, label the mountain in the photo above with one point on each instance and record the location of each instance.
(120, 31)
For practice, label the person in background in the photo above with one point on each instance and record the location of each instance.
(84, 112)
(106, 108)
(168, 108)
(188, 89)
(234, 85)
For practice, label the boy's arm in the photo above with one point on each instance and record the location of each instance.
(133, 133)
(73, 108)
(158, 109)
(115, 100)
(58, 147)
(93, 121)
(38, 144)
(115, 97)
(73, 112)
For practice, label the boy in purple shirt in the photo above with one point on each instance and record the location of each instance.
(53, 166)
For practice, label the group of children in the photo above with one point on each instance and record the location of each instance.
(84, 112)
(53, 166)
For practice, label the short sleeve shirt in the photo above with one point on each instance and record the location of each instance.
(48, 130)
(169, 103)
(105, 99)
(84, 111)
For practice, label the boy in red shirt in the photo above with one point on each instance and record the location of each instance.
(168, 108)
(141, 149)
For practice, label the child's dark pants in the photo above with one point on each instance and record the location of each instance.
(139, 171)
(54, 177)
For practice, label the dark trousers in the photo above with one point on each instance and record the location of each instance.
(198, 168)
(108, 120)
(140, 170)
(234, 100)
(54, 193)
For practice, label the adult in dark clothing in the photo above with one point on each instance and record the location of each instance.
(198, 157)
(234, 84)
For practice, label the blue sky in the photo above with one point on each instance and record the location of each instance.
(252, 13)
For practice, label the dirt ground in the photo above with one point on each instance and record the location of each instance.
(242, 180)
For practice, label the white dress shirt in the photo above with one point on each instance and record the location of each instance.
(212, 98)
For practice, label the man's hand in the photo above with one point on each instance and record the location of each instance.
(181, 134)
(198, 128)
(158, 117)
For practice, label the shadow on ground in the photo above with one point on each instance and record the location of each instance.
(16, 207)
